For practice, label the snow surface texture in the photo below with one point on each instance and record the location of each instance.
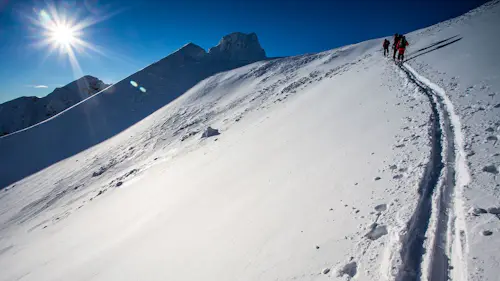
(120, 106)
(329, 166)
(23, 112)
(465, 67)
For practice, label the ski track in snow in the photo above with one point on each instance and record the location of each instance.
(439, 192)
(414, 214)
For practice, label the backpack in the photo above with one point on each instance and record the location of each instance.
(402, 42)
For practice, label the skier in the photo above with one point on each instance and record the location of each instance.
(402, 44)
(395, 45)
(386, 47)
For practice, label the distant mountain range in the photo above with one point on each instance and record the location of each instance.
(24, 112)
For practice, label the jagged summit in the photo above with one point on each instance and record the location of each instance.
(236, 47)
(239, 47)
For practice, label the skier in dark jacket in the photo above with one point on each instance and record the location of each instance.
(395, 45)
(386, 47)
(402, 44)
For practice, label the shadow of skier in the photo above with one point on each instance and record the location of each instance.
(433, 47)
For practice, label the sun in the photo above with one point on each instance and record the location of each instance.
(63, 35)
(58, 29)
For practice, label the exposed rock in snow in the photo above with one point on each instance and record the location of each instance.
(378, 178)
(210, 132)
(325, 270)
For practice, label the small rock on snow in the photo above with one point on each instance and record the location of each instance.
(378, 178)
(490, 169)
(210, 132)
(487, 232)
(325, 271)
(119, 183)
(317, 247)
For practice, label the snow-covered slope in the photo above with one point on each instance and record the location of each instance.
(23, 112)
(121, 105)
(338, 165)
(461, 58)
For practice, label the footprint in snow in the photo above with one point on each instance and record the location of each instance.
(492, 138)
(381, 207)
(397, 177)
(350, 269)
(376, 231)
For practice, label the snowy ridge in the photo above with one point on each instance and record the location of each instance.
(25, 112)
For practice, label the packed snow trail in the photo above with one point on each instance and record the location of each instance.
(437, 185)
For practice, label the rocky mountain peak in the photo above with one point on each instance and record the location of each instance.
(238, 46)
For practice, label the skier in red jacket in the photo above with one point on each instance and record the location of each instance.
(395, 45)
(402, 44)
(386, 47)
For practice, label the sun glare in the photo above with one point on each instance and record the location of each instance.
(58, 30)
(63, 35)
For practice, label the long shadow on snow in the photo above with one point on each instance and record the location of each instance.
(415, 55)
(434, 44)
(103, 115)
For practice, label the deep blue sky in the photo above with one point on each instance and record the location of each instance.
(140, 32)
